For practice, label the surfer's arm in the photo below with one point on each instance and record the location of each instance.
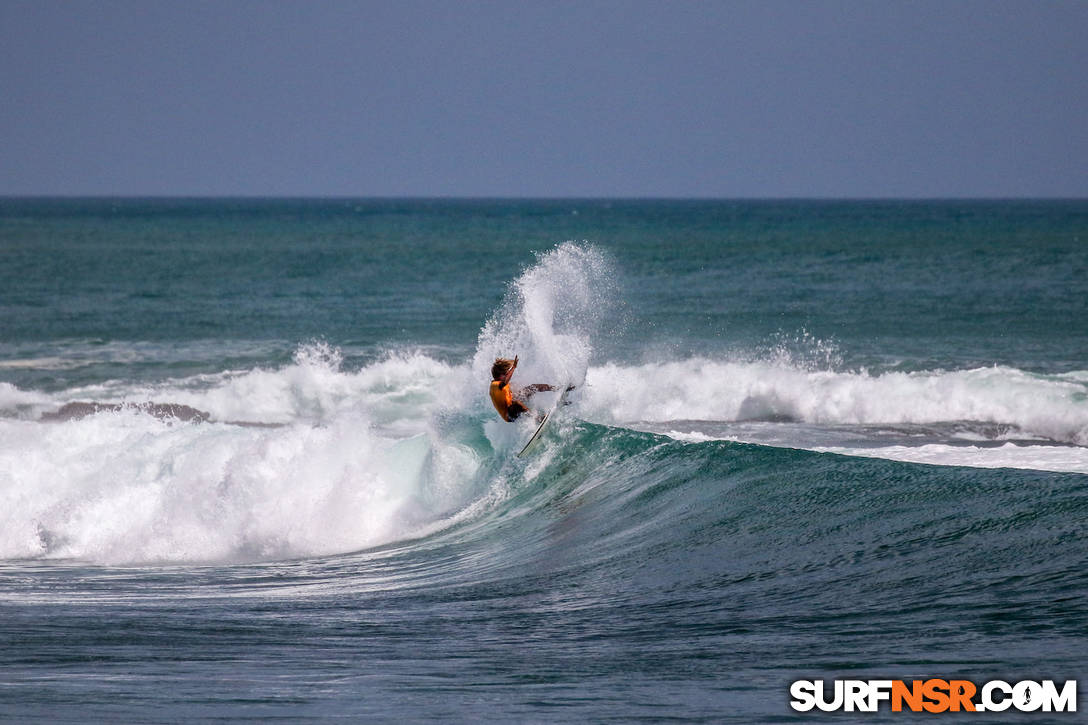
(529, 390)
(505, 379)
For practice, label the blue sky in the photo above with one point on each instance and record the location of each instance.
(544, 98)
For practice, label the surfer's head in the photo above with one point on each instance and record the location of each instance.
(501, 368)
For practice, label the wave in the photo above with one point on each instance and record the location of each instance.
(348, 459)
(310, 458)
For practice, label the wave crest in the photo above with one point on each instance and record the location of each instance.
(1051, 406)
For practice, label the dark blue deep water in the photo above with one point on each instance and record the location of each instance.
(249, 469)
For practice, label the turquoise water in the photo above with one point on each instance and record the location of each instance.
(838, 439)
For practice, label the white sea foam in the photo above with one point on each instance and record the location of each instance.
(126, 487)
(355, 462)
(1070, 459)
(1051, 407)
(40, 363)
(21, 403)
(313, 389)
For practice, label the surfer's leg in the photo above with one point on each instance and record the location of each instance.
(516, 408)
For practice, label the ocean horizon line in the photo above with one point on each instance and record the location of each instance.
(518, 198)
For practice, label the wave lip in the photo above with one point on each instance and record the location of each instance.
(550, 316)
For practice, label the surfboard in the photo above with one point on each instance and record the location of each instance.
(532, 442)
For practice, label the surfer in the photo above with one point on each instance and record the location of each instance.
(509, 404)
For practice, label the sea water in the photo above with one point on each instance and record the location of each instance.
(249, 468)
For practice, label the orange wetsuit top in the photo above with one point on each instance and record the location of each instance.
(503, 398)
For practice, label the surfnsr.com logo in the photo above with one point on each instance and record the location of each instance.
(934, 695)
